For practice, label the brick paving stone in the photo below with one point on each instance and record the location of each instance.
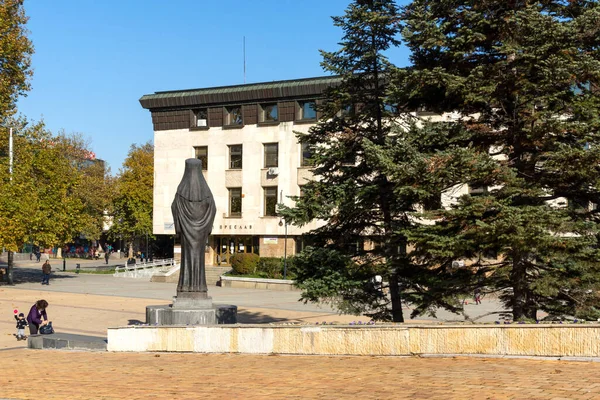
(83, 375)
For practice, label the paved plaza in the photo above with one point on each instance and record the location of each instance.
(88, 304)
(81, 375)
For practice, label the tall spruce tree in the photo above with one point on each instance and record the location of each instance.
(524, 77)
(356, 146)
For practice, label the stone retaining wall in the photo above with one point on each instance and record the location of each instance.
(257, 283)
(378, 340)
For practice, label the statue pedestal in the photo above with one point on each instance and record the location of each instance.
(176, 314)
(192, 301)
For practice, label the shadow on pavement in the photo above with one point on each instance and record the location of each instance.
(246, 317)
(32, 275)
(135, 322)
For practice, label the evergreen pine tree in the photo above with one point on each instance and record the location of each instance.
(523, 75)
(356, 147)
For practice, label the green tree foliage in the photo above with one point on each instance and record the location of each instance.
(523, 75)
(357, 145)
(15, 56)
(132, 204)
(19, 193)
(42, 201)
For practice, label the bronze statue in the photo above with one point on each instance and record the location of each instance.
(194, 211)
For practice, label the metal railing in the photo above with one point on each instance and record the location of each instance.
(145, 268)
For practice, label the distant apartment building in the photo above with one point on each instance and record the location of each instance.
(252, 160)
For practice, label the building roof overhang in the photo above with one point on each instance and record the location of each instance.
(253, 92)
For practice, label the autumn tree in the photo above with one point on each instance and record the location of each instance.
(15, 56)
(43, 201)
(15, 63)
(96, 188)
(132, 205)
(521, 79)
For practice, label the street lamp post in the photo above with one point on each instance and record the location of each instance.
(10, 153)
(10, 261)
(284, 247)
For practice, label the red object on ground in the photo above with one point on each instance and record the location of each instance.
(15, 311)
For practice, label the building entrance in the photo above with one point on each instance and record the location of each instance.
(226, 246)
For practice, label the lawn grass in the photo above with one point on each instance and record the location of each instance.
(93, 271)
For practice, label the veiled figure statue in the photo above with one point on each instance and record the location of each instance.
(194, 211)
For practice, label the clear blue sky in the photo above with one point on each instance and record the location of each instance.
(94, 59)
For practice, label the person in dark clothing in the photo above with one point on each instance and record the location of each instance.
(477, 295)
(21, 324)
(46, 270)
(37, 316)
(106, 255)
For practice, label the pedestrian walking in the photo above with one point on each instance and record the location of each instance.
(46, 270)
(106, 256)
(477, 295)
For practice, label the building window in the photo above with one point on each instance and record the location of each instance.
(269, 113)
(235, 156)
(306, 155)
(271, 155)
(270, 201)
(201, 117)
(478, 190)
(235, 202)
(355, 247)
(307, 110)
(201, 153)
(578, 204)
(303, 242)
(391, 108)
(433, 203)
(233, 115)
(346, 111)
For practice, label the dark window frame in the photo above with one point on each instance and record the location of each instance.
(228, 115)
(300, 114)
(433, 203)
(266, 162)
(270, 199)
(204, 158)
(233, 164)
(235, 194)
(263, 112)
(478, 190)
(305, 155)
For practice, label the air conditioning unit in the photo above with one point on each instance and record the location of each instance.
(273, 171)
(458, 264)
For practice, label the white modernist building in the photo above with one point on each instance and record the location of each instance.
(245, 137)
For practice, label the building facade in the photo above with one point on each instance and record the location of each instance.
(245, 137)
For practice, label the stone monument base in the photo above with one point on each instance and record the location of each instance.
(192, 301)
(175, 315)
